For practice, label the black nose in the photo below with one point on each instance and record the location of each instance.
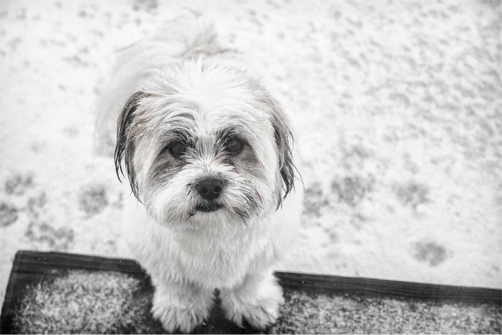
(210, 189)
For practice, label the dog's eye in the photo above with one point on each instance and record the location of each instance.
(177, 149)
(234, 146)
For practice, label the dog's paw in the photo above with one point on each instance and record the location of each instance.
(259, 314)
(178, 318)
(181, 308)
(260, 308)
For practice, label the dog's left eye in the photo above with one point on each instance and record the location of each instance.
(234, 146)
(177, 149)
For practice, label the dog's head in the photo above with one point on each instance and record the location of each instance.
(204, 142)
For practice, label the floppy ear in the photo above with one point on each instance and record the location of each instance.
(124, 148)
(284, 141)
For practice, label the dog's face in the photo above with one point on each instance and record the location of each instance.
(204, 143)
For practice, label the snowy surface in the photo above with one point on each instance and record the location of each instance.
(397, 108)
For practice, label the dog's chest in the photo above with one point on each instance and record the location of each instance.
(221, 260)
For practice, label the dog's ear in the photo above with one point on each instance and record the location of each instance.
(284, 141)
(124, 148)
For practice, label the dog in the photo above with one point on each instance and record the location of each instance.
(208, 155)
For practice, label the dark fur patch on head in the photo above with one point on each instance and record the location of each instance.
(163, 169)
(124, 149)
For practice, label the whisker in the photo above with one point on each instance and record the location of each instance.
(190, 215)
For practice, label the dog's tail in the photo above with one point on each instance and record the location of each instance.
(186, 37)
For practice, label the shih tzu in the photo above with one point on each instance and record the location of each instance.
(208, 155)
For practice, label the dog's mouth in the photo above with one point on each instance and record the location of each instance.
(208, 207)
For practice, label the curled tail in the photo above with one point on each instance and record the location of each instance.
(187, 36)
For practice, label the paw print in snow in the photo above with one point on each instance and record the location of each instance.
(350, 190)
(8, 214)
(314, 200)
(93, 199)
(429, 252)
(18, 184)
(413, 194)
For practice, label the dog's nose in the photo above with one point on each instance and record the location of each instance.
(210, 189)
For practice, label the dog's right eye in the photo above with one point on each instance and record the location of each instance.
(234, 146)
(177, 149)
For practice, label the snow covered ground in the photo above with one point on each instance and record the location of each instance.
(397, 109)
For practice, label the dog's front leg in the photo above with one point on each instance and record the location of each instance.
(256, 299)
(181, 306)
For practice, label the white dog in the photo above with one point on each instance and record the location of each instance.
(208, 156)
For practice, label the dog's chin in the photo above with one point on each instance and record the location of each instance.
(208, 208)
(204, 216)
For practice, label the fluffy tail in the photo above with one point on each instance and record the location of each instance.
(188, 36)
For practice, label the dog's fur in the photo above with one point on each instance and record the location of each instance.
(190, 115)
